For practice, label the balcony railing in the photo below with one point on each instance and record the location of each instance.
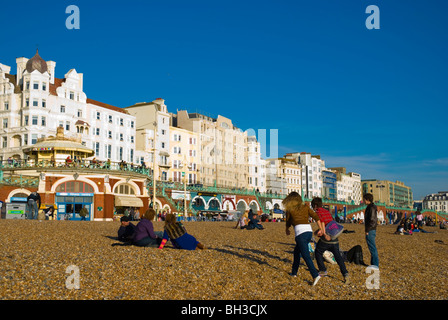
(13, 164)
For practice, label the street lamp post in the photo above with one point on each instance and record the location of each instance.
(184, 174)
(154, 198)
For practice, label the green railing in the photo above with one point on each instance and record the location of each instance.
(107, 166)
(12, 164)
(19, 180)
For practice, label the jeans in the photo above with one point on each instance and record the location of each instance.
(301, 250)
(321, 247)
(149, 242)
(370, 238)
(33, 210)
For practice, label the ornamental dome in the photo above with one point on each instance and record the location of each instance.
(36, 63)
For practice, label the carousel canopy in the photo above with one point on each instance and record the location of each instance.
(59, 143)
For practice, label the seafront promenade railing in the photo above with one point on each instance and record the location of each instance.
(12, 164)
(23, 180)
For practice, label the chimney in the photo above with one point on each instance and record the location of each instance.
(21, 67)
(4, 68)
(51, 70)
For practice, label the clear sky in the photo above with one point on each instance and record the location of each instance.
(374, 101)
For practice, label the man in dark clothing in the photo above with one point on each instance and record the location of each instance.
(127, 230)
(254, 223)
(33, 203)
(370, 222)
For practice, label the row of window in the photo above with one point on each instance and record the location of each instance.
(178, 150)
(82, 187)
(177, 164)
(18, 143)
(107, 149)
(44, 85)
(36, 85)
(177, 177)
(43, 123)
(110, 119)
(62, 109)
(118, 136)
(436, 198)
(178, 137)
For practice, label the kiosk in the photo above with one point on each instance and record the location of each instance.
(70, 204)
(16, 208)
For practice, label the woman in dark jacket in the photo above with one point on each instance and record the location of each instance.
(144, 231)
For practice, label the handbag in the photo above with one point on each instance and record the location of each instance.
(334, 229)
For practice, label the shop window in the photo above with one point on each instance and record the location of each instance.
(124, 189)
(75, 186)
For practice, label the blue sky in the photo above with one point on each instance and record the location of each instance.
(374, 101)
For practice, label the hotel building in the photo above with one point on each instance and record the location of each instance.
(34, 103)
(436, 201)
(348, 185)
(256, 166)
(391, 193)
(153, 117)
(223, 149)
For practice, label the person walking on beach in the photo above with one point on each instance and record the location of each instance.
(371, 220)
(325, 242)
(297, 215)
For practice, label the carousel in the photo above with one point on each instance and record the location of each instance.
(57, 151)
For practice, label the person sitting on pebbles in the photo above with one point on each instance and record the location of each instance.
(176, 232)
(242, 222)
(126, 230)
(254, 223)
(145, 236)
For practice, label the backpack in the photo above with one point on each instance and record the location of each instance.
(355, 255)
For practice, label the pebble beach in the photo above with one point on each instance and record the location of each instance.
(236, 264)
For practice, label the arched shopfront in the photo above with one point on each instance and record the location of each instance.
(71, 197)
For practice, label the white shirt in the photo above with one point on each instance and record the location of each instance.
(301, 228)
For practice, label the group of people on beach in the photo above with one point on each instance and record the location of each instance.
(144, 235)
(298, 216)
(408, 226)
(249, 221)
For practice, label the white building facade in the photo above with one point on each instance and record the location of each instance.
(153, 117)
(256, 165)
(311, 170)
(436, 201)
(33, 103)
